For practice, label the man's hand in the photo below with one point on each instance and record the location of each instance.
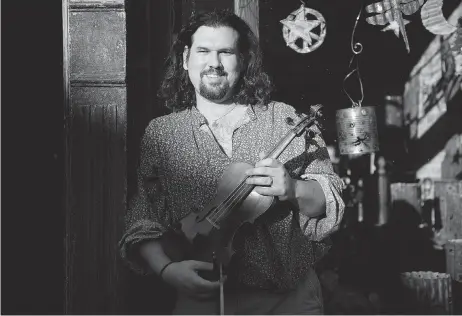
(271, 178)
(184, 277)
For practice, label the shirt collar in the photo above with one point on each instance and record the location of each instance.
(251, 113)
(198, 119)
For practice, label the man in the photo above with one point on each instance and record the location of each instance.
(222, 114)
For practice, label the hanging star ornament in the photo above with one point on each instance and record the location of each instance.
(297, 27)
(394, 26)
(391, 12)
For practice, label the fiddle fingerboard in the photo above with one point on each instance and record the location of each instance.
(233, 200)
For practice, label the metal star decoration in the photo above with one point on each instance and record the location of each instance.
(301, 29)
(297, 26)
(394, 26)
(391, 12)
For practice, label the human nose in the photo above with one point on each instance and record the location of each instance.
(214, 60)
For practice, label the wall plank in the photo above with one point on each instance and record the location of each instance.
(93, 54)
(96, 173)
(248, 10)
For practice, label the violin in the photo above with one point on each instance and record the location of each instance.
(207, 235)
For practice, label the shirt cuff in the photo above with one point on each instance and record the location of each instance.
(318, 228)
(129, 245)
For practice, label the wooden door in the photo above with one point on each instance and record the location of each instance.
(95, 167)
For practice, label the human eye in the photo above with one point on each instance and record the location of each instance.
(227, 52)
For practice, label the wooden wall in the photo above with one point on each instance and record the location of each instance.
(188, 6)
(95, 170)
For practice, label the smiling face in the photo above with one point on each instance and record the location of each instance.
(213, 63)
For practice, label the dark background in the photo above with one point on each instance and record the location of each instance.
(32, 120)
(32, 152)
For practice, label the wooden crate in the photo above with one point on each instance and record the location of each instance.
(428, 292)
(451, 167)
(450, 198)
(448, 194)
(454, 268)
(454, 259)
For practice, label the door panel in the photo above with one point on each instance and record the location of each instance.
(96, 181)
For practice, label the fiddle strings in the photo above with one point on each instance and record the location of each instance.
(231, 201)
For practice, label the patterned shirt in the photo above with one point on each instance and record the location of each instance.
(180, 167)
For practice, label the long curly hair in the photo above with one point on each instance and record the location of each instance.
(254, 86)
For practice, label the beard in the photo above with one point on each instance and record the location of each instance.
(214, 92)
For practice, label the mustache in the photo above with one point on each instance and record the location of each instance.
(217, 72)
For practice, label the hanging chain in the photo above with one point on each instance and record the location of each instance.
(356, 48)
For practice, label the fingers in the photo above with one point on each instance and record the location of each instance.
(268, 162)
(205, 285)
(263, 171)
(260, 181)
(202, 288)
(262, 155)
(201, 265)
(267, 191)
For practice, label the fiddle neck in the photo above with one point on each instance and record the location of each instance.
(281, 145)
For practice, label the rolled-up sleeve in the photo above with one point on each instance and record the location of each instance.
(319, 168)
(146, 217)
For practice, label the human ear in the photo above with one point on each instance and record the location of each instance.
(185, 57)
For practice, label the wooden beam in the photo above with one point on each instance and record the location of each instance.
(94, 35)
(248, 10)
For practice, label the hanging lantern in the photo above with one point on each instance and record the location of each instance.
(357, 130)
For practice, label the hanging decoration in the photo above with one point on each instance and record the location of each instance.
(434, 20)
(356, 126)
(391, 12)
(456, 44)
(357, 130)
(456, 50)
(297, 29)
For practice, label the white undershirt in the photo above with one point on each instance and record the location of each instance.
(223, 128)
